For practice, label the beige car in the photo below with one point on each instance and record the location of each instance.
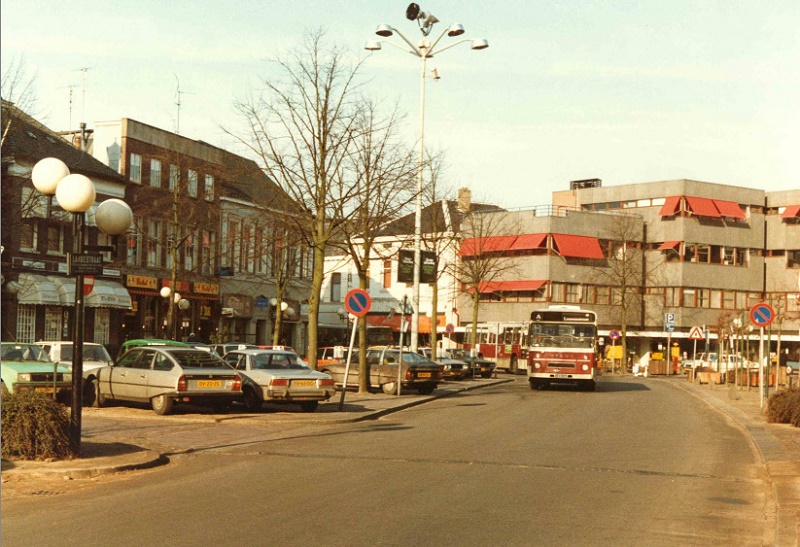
(417, 373)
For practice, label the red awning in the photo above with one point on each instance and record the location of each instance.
(729, 209)
(792, 211)
(475, 245)
(703, 207)
(578, 246)
(670, 207)
(511, 286)
(669, 245)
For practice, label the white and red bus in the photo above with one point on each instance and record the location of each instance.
(562, 347)
(504, 343)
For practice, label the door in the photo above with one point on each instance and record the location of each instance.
(117, 383)
(163, 377)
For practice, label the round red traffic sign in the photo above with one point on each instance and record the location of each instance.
(357, 302)
(450, 328)
(614, 334)
(762, 314)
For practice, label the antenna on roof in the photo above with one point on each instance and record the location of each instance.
(178, 94)
(70, 87)
(83, 92)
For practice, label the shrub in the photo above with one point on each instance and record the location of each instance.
(34, 427)
(782, 406)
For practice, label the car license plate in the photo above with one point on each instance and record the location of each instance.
(424, 375)
(209, 383)
(562, 375)
(303, 383)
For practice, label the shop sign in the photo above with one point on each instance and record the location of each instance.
(183, 286)
(205, 310)
(241, 305)
(142, 282)
(206, 288)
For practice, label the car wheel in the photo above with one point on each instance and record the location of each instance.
(161, 405)
(426, 390)
(251, 400)
(309, 406)
(390, 388)
(89, 393)
(100, 400)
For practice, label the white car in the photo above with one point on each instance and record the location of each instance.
(279, 376)
(94, 357)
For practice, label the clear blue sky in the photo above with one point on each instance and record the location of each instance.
(625, 91)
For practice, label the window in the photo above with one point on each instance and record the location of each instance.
(716, 299)
(33, 204)
(155, 173)
(557, 294)
(102, 325)
(703, 253)
(209, 188)
(132, 258)
(687, 299)
(135, 168)
(387, 274)
(728, 255)
(26, 323)
(729, 300)
(336, 287)
(573, 292)
(154, 243)
(208, 255)
(793, 259)
(52, 323)
(174, 175)
(29, 236)
(742, 256)
(191, 185)
(55, 239)
(189, 251)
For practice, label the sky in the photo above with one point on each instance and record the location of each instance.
(624, 91)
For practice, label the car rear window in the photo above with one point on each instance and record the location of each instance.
(198, 359)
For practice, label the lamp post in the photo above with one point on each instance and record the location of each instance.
(76, 193)
(174, 300)
(279, 307)
(424, 50)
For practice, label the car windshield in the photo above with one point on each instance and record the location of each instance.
(458, 353)
(90, 353)
(198, 359)
(408, 357)
(562, 335)
(278, 361)
(23, 352)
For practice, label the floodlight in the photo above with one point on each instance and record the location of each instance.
(480, 43)
(385, 31)
(457, 29)
(412, 11)
(372, 45)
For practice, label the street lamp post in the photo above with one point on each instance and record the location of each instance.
(424, 50)
(76, 194)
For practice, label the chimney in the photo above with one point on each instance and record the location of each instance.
(464, 200)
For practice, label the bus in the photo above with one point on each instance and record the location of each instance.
(504, 343)
(562, 344)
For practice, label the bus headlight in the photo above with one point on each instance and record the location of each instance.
(537, 365)
(585, 367)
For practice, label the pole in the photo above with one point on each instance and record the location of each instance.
(418, 214)
(769, 362)
(761, 366)
(77, 343)
(347, 367)
(400, 360)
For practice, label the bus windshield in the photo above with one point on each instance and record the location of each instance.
(561, 335)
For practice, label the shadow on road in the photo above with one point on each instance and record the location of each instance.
(612, 386)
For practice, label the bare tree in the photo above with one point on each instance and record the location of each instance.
(302, 129)
(383, 170)
(17, 89)
(482, 262)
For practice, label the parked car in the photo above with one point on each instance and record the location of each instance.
(135, 343)
(94, 357)
(331, 354)
(480, 366)
(711, 360)
(167, 375)
(222, 349)
(26, 367)
(279, 376)
(417, 373)
(454, 369)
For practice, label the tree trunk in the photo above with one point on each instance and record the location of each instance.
(313, 305)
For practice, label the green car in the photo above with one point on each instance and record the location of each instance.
(26, 367)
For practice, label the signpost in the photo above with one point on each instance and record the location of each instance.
(695, 334)
(615, 335)
(358, 303)
(762, 315)
(669, 327)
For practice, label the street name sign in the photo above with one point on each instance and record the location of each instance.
(84, 264)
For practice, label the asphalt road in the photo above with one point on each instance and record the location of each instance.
(634, 463)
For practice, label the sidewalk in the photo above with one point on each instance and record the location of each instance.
(778, 445)
(100, 457)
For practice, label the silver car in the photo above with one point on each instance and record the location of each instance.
(94, 357)
(279, 376)
(167, 375)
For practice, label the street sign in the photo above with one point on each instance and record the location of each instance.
(670, 327)
(762, 314)
(450, 328)
(88, 285)
(615, 335)
(696, 333)
(84, 264)
(357, 302)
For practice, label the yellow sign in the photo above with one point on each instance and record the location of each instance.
(142, 282)
(614, 352)
(206, 288)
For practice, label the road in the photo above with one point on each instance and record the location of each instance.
(637, 462)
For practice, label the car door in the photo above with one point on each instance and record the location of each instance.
(163, 376)
(116, 380)
(139, 377)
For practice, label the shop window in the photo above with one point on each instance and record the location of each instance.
(26, 323)
(52, 323)
(102, 325)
